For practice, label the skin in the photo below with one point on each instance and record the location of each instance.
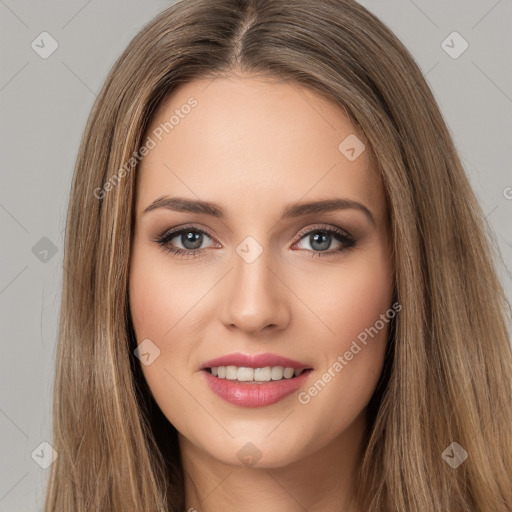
(254, 146)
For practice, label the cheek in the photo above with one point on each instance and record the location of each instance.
(160, 297)
(358, 313)
(361, 297)
(347, 298)
(160, 302)
(356, 306)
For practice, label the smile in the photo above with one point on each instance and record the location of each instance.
(245, 374)
(254, 393)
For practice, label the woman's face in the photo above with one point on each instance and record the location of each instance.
(259, 276)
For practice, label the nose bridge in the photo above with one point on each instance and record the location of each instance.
(256, 298)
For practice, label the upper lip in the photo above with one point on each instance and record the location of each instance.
(254, 361)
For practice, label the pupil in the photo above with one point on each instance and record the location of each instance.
(193, 238)
(324, 238)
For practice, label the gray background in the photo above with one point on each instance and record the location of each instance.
(44, 106)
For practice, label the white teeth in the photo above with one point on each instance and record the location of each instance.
(263, 374)
(277, 373)
(231, 372)
(244, 374)
(288, 373)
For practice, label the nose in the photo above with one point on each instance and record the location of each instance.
(257, 298)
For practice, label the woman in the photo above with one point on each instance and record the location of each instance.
(206, 361)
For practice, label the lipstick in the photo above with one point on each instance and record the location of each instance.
(254, 380)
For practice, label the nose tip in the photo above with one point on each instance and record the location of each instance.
(254, 301)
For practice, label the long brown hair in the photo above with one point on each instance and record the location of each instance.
(448, 369)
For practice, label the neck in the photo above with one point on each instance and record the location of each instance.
(318, 482)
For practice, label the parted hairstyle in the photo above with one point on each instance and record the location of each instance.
(447, 373)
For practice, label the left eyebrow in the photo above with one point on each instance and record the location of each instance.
(181, 204)
(326, 205)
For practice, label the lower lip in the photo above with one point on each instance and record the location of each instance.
(254, 394)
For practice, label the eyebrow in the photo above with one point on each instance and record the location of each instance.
(181, 204)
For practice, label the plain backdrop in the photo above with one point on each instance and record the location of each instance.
(44, 104)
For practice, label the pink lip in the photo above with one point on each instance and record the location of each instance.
(255, 361)
(254, 394)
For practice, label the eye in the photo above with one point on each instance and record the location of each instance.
(191, 239)
(319, 238)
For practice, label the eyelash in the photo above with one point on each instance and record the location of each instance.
(340, 235)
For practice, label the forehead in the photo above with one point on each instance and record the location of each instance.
(248, 142)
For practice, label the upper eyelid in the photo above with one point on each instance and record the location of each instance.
(174, 232)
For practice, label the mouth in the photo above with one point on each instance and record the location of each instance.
(255, 393)
(248, 375)
(248, 380)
